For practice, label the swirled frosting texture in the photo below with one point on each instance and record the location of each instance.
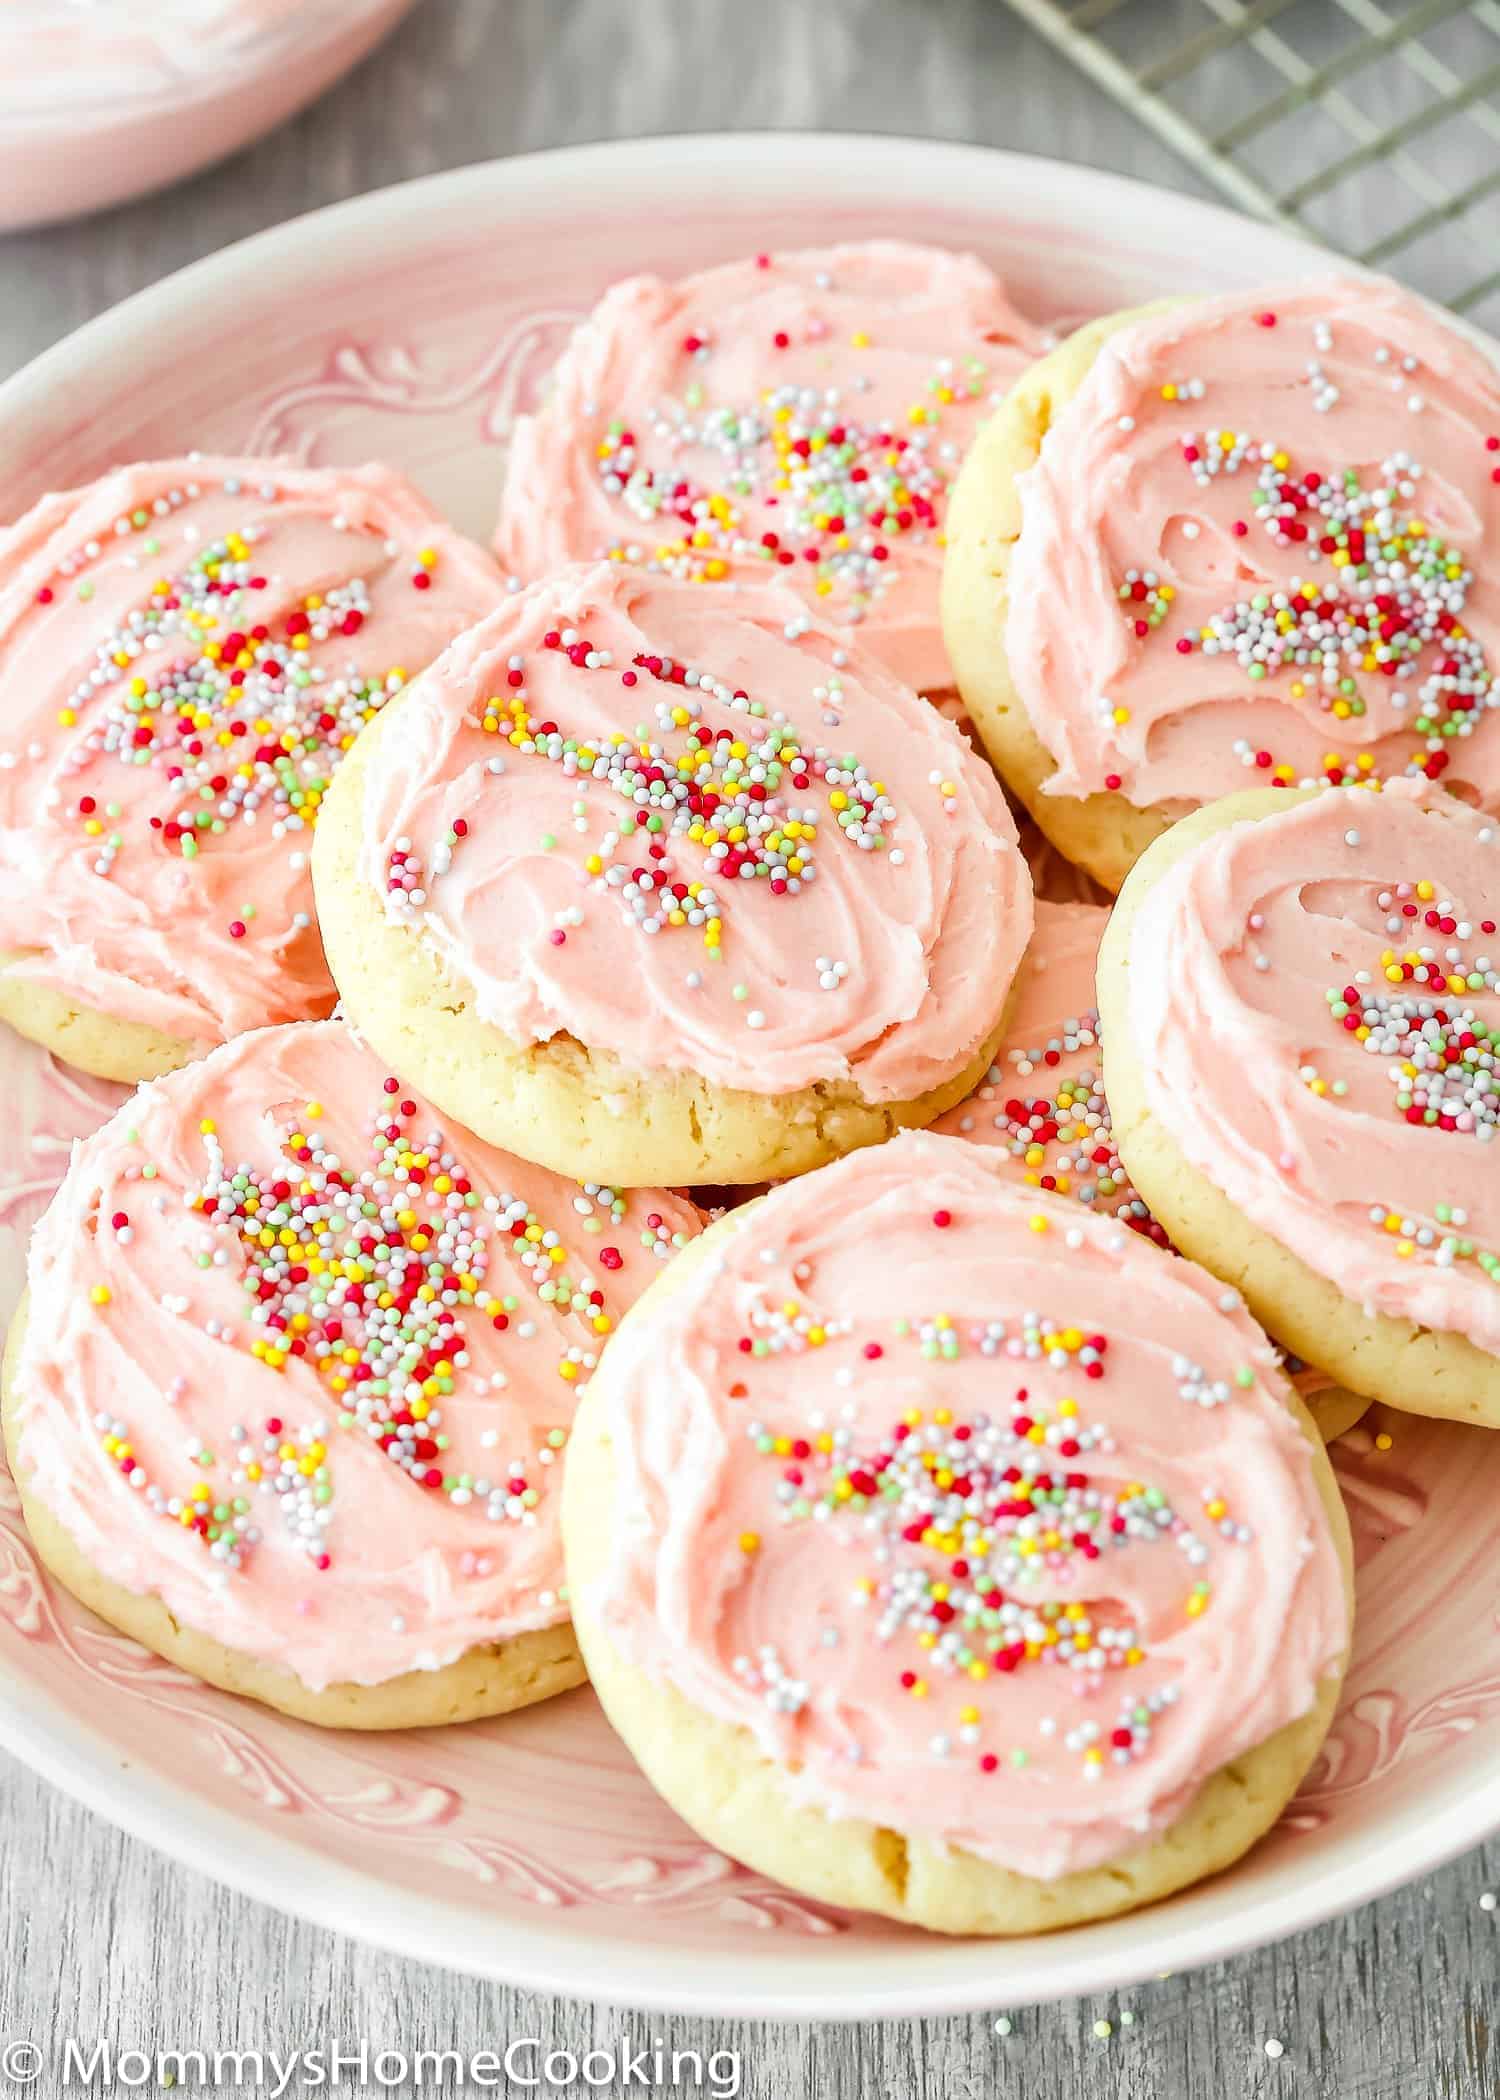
(1315, 1003)
(301, 1361)
(804, 413)
(1261, 544)
(186, 650)
(987, 1519)
(687, 826)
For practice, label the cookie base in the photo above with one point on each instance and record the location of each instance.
(1334, 1411)
(94, 1042)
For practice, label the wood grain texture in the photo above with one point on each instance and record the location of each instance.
(101, 1937)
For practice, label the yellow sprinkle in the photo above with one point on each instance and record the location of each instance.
(100, 1294)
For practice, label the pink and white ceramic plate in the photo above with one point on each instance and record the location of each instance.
(101, 100)
(410, 326)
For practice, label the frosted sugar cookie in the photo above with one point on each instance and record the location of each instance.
(1227, 543)
(798, 414)
(288, 1393)
(1301, 999)
(1042, 1107)
(657, 883)
(948, 1552)
(187, 648)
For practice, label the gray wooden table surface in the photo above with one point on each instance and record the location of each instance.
(100, 1937)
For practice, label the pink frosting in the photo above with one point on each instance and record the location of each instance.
(1187, 620)
(156, 1326)
(122, 726)
(1358, 1130)
(830, 1440)
(804, 412)
(833, 806)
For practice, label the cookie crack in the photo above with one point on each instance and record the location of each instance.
(893, 1862)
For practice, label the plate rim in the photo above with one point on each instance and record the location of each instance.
(546, 168)
(966, 1976)
(439, 1931)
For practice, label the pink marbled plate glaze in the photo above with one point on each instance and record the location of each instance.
(411, 325)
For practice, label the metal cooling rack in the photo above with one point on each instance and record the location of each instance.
(1289, 105)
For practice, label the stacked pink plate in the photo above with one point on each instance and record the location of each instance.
(101, 100)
